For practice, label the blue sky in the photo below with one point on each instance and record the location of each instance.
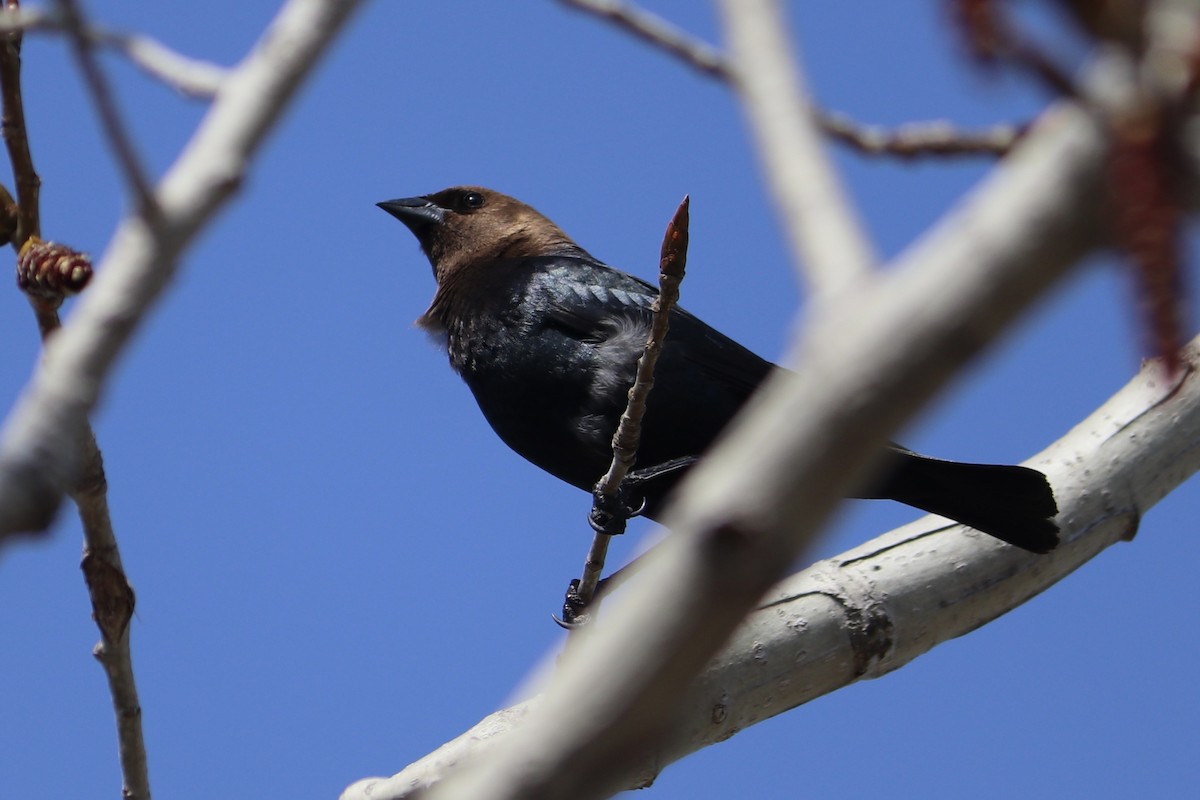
(339, 566)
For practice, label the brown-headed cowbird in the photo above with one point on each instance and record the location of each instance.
(547, 338)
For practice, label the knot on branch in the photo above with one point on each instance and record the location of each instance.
(49, 271)
(112, 597)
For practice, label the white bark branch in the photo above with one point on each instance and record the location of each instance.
(38, 444)
(875, 608)
(189, 76)
(829, 245)
(658, 32)
(748, 510)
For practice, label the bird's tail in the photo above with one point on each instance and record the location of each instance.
(1014, 504)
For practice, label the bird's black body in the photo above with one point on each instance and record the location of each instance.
(547, 338)
(552, 370)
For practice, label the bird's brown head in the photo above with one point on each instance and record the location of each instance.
(478, 241)
(467, 227)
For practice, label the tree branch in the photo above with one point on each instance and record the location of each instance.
(746, 512)
(110, 117)
(188, 76)
(657, 32)
(37, 459)
(672, 264)
(16, 138)
(111, 597)
(920, 139)
(828, 244)
(873, 609)
(912, 140)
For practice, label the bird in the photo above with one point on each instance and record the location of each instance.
(547, 338)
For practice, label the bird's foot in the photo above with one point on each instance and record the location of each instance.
(610, 512)
(574, 610)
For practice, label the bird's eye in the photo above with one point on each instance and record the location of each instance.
(472, 200)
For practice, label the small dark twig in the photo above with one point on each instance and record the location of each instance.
(12, 122)
(672, 265)
(28, 184)
(993, 41)
(46, 272)
(914, 140)
(106, 107)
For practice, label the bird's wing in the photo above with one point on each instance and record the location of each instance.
(593, 302)
(589, 301)
(717, 355)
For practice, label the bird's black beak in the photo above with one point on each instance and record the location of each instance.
(417, 213)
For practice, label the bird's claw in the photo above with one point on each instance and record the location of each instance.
(610, 512)
(574, 610)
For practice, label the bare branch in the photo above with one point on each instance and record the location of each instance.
(110, 119)
(920, 139)
(46, 272)
(909, 141)
(113, 603)
(190, 77)
(828, 244)
(993, 40)
(744, 513)
(37, 444)
(807, 638)
(672, 265)
(16, 138)
(658, 32)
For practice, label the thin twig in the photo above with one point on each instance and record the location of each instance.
(993, 40)
(658, 32)
(106, 106)
(920, 139)
(829, 246)
(16, 139)
(190, 77)
(38, 445)
(911, 140)
(112, 608)
(111, 597)
(671, 267)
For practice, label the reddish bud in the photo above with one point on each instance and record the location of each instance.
(51, 271)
